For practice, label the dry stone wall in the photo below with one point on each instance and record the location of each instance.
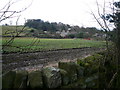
(65, 74)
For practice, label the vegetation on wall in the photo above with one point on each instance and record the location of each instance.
(109, 70)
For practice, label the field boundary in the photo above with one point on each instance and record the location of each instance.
(46, 50)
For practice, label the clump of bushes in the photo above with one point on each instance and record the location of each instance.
(102, 64)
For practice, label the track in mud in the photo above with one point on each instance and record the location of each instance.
(38, 60)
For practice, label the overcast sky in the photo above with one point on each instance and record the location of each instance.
(73, 12)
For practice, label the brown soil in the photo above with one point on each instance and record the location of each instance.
(38, 60)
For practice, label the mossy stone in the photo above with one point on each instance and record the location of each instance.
(35, 79)
(8, 79)
(90, 60)
(20, 79)
(51, 77)
(90, 64)
(71, 69)
(81, 62)
(78, 84)
(80, 71)
(64, 76)
(91, 81)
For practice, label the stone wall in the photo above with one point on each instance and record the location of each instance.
(80, 74)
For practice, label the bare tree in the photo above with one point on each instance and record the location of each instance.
(101, 20)
(7, 13)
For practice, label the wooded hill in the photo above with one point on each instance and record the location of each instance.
(44, 29)
(60, 30)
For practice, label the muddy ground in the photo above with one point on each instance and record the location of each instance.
(38, 60)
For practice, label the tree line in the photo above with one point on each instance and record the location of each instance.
(46, 26)
(54, 28)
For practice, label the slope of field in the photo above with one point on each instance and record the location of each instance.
(14, 30)
(38, 44)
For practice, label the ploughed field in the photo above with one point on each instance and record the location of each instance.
(30, 44)
(37, 60)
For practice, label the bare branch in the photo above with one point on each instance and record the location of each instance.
(114, 76)
(98, 9)
(98, 21)
(6, 13)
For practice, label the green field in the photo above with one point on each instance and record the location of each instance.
(14, 30)
(38, 44)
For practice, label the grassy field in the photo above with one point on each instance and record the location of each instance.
(13, 30)
(38, 44)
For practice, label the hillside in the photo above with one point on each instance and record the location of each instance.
(41, 29)
(15, 31)
(60, 30)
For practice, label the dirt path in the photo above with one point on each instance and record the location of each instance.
(37, 60)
